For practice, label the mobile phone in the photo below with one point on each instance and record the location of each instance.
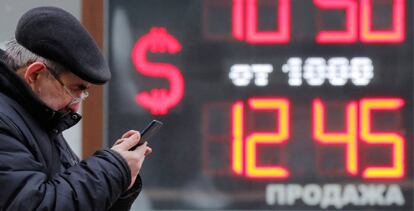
(148, 132)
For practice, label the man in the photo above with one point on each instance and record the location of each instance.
(45, 74)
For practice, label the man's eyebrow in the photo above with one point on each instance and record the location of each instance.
(83, 86)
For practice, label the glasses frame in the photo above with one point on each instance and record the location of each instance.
(75, 99)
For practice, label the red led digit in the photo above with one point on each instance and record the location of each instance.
(238, 19)
(394, 140)
(394, 35)
(237, 122)
(348, 138)
(349, 35)
(282, 35)
(281, 136)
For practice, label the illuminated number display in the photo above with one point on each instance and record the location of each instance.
(267, 104)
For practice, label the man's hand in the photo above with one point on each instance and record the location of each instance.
(134, 158)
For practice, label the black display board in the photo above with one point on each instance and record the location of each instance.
(267, 104)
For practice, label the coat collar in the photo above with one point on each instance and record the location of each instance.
(14, 87)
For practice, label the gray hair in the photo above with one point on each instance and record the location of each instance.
(16, 56)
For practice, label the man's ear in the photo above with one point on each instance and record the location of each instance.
(33, 71)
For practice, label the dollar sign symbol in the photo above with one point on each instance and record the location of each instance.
(158, 101)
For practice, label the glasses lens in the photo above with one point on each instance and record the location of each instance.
(84, 93)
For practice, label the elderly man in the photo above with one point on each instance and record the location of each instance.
(45, 73)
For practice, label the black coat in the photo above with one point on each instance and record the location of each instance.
(39, 171)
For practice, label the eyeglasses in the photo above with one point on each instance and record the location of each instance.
(75, 99)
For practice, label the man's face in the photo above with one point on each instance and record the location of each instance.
(59, 92)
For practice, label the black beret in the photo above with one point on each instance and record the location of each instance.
(57, 35)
